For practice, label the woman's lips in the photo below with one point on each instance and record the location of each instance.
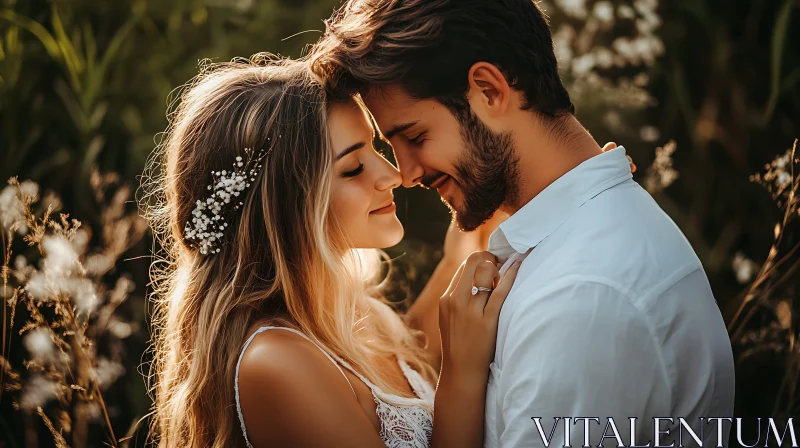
(384, 210)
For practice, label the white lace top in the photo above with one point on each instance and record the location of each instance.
(405, 422)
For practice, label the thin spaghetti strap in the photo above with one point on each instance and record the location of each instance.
(241, 355)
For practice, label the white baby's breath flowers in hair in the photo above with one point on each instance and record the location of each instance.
(208, 222)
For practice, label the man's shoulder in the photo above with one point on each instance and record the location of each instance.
(621, 238)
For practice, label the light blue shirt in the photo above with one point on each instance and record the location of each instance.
(611, 315)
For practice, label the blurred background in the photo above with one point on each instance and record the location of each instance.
(704, 94)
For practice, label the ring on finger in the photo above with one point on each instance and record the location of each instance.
(477, 289)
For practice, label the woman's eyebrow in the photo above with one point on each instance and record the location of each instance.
(350, 149)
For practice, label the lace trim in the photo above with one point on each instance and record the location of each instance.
(404, 426)
(405, 422)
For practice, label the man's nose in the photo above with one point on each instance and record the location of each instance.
(410, 169)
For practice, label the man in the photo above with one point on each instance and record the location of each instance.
(611, 316)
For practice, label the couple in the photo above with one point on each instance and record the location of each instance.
(271, 328)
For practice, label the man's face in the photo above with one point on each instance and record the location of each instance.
(473, 168)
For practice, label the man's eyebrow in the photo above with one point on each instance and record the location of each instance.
(352, 148)
(399, 128)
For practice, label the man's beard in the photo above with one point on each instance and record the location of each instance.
(488, 172)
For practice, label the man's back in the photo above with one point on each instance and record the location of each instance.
(611, 316)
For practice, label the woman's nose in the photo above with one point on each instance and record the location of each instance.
(388, 177)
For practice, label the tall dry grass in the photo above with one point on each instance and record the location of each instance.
(63, 285)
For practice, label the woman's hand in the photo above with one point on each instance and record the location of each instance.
(468, 326)
(468, 321)
(424, 313)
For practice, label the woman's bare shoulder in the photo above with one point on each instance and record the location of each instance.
(288, 385)
(283, 358)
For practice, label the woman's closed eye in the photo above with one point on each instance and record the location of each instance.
(355, 172)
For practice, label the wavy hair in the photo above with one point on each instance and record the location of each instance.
(428, 47)
(284, 259)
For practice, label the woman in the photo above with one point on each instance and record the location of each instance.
(270, 330)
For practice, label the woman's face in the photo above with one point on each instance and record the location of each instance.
(362, 197)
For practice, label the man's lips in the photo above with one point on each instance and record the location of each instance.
(439, 181)
(443, 187)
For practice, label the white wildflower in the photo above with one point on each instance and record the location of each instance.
(583, 64)
(90, 410)
(604, 58)
(37, 287)
(29, 188)
(604, 12)
(573, 8)
(60, 256)
(20, 263)
(80, 241)
(644, 6)
(51, 199)
(626, 12)
(10, 207)
(39, 344)
(37, 392)
(98, 263)
(120, 329)
(783, 178)
(660, 174)
(781, 161)
(777, 176)
(107, 372)
(744, 268)
(82, 292)
(22, 270)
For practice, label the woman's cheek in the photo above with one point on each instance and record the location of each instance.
(351, 206)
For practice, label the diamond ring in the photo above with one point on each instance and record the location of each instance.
(476, 289)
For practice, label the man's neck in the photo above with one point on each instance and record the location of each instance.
(545, 155)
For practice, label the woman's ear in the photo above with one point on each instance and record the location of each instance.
(489, 93)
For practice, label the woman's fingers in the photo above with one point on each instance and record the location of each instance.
(495, 303)
(463, 289)
(633, 165)
(609, 146)
(485, 275)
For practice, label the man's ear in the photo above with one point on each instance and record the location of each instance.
(488, 91)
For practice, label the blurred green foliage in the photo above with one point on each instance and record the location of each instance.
(86, 83)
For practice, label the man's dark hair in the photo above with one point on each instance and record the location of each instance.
(428, 47)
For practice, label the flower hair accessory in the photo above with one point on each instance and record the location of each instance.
(208, 222)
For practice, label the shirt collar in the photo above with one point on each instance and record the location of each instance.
(543, 214)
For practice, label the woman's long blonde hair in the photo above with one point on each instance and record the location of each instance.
(283, 258)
